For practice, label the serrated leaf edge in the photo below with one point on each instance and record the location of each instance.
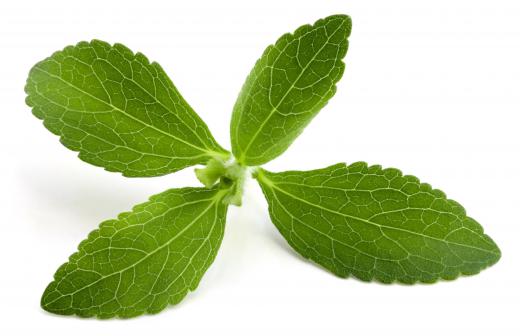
(224, 154)
(119, 217)
(259, 175)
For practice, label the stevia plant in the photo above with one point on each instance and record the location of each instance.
(123, 113)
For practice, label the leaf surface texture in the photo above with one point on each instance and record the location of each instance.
(287, 87)
(144, 260)
(118, 110)
(375, 223)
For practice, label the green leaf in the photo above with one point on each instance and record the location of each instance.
(375, 223)
(117, 109)
(287, 87)
(144, 260)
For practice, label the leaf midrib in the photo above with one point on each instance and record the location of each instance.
(370, 191)
(332, 238)
(141, 152)
(153, 96)
(380, 226)
(194, 254)
(275, 108)
(205, 150)
(167, 243)
(188, 264)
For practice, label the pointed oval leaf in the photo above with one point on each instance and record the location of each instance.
(375, 223)
(144, 260)
(287, 87)
(118, 110)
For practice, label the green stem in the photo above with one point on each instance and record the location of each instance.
(231, 174)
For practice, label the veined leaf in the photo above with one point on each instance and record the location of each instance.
(375, 223)
(144, 260)
(117, 109)
(287, 87)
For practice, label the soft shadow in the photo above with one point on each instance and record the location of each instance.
(85, 198)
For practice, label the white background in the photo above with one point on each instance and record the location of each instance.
(430, 87)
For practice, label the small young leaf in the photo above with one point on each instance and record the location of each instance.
(117, 109)
(287, 87)
(375, 223)
(144, 260)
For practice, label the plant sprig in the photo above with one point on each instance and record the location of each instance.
(123, 113)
